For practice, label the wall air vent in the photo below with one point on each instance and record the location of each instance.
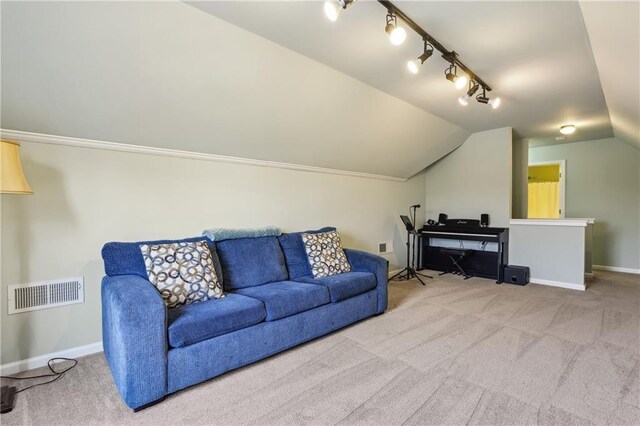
(45, 294)
(385, 247)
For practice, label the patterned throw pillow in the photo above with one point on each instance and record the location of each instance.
(182, 272)
(325, 254)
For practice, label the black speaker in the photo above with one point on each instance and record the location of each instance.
(442, 218)
(484, 219)
(516, 274)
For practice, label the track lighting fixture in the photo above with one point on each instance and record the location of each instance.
(451, 74)
(473, 88)
(332, 8)
(397, 34)
(414, 65)
(567, 129)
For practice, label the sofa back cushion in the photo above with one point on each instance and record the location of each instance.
(248, 262)
(295, 254)
(125, 258)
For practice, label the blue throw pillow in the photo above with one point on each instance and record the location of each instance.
(295, 254)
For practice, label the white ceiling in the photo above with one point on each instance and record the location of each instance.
(535, 55)
(614, 32)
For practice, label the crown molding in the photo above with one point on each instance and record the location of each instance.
(21, 136)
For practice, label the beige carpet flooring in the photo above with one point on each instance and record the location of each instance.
(453, 352)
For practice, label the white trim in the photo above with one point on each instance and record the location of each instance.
(392, 273)
(21, 136)
(562, 184)
(41, 361)
(617, 269)
(552, 222)
(570, 286)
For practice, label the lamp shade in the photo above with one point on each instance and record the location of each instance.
(12, 180)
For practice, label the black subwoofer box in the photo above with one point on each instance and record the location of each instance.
(518, 275)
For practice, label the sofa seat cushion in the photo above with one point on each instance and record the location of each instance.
(195, 322)
(286, 298)
(344, 286)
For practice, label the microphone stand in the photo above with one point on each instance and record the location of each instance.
(410, 271)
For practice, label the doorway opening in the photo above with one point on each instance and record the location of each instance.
(546, 190)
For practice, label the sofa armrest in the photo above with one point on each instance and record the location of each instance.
(134, 333)
(366, 262)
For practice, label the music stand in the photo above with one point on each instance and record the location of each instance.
(410, 271)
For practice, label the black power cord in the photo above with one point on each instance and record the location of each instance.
(8, 393)
(54, 373)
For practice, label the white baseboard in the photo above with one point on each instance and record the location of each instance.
(41, 361)
(570, 286)
(395, 271)
(616, 269)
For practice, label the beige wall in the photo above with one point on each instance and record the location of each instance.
(555, 254)
(520, 182)
(86, 197)
(473, 179)
(603, 181)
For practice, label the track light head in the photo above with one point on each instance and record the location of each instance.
(332, 8)
(397, 34)
(461, 81)
(473, 88)
(484, 99)
(414, 65)
(451, 74)
(426, 54)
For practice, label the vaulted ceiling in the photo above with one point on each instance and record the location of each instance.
(537, 56)
(277, 81)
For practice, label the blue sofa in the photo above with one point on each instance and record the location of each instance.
(272, 303)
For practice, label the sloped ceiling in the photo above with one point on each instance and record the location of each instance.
(614, 32)
(167, 75)
(536, 56)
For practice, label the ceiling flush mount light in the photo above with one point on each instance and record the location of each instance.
(397, 34)
(414, 65)
(567, 129)
(473, 88)
(332, 8)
